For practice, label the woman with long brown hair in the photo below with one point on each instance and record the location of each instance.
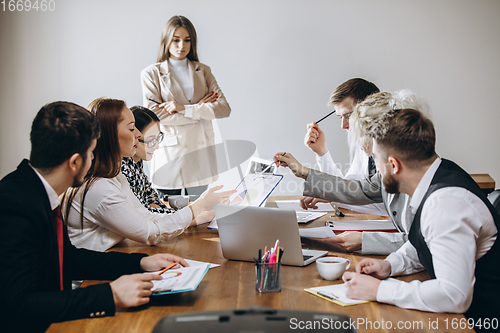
(104, 210)
(186, 97)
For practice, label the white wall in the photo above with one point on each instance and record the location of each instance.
(276, 61)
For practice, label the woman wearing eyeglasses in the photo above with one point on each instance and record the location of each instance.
(148, 124)
(186, 98)
(104, 210)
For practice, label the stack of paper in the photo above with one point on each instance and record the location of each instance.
(362, 225)
(321, 232)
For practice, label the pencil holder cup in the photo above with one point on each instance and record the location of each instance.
(268, 277)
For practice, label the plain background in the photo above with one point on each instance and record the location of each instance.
(277, 61)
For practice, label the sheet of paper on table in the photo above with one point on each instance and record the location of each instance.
(335, 293)
(361, 225)
(304, 217)
(295, 205)
(320, 232)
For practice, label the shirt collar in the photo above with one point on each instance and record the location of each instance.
(423, 185)
(53, 197)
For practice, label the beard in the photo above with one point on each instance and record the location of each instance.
(80, 177)
(391, 185)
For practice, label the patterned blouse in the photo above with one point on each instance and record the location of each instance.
(140, 185)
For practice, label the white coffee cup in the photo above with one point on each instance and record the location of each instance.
(332, 268)
(178, 201)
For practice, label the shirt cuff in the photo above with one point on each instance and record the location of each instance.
(189, 111)
(324, 160)
(397, 264)
(186, 215)
(386, 289)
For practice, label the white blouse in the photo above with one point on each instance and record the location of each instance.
(112, 213)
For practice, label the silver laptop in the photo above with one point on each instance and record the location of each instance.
(243, 230)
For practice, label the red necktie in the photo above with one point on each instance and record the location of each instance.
(59, 230)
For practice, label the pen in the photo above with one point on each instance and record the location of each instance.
(279, 162)
(337, 212)
(268, 167)
(152, 100)
(328, 115)
(167, 268)
(327, 295)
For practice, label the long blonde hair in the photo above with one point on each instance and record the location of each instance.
(168, 33)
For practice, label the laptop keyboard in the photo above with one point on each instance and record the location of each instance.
(306, 257)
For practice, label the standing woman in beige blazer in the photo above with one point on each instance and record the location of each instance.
(186, 97)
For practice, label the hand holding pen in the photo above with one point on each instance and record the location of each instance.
(315, 139)
(287, 160)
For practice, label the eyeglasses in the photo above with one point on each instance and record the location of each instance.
(151, 143)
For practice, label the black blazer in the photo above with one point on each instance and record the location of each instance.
(29, 266)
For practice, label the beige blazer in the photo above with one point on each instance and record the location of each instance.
(186, 157)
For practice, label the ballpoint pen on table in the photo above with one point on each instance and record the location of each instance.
(337, 211)
(328, 295)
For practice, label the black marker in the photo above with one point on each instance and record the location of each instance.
(328, 115)
(152, 100)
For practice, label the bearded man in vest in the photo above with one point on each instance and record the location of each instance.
(454, 232)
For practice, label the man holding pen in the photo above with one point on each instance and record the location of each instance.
(344, 99)
(38, 261)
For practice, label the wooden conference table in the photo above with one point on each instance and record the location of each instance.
(232, 286)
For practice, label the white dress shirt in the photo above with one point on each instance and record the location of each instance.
(112, 213)
(51, 193)
(358, 169)
(458, 229)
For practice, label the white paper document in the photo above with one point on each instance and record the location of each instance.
(192, 263)
(181, 279)
(336, 292)
(295, 205)
(320, 232)
(367, 209)
(362, 225)
(304, 217)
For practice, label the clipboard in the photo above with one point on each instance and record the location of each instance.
(253, 190)
(179, 281)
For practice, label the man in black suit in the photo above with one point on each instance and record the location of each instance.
(38, 262)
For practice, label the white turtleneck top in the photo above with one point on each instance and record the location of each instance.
(183, 75)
